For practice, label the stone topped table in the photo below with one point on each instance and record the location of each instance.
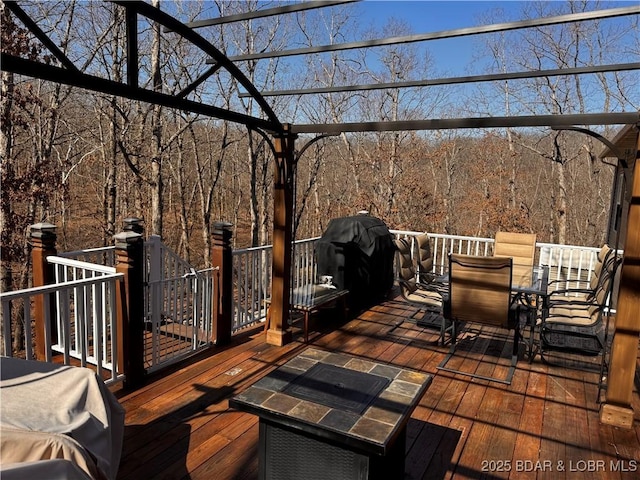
(332, 415)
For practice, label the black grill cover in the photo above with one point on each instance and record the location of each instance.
(358, 252)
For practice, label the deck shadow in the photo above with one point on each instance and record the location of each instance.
(430, 450)
(167, 439)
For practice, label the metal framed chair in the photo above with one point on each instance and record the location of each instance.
(426, 273)
(418, 294)
(561, 290)
(521, 247)
(577, 320)
(480, 292)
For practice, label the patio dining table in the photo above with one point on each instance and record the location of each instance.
(532, 295)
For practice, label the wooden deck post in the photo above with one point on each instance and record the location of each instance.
(222, 258)
(130, 306)
(624, 351)
(42, 237)
(279, 333)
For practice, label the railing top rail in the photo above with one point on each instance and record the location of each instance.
(68, 262)
(268, 247)
(86, 251)
(567, 247)
(462, 237)
(413, 233)
(193, 273)
(4, 296)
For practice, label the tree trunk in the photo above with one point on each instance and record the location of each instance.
(6, 173)
(156, 133)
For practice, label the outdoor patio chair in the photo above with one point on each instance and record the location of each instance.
(418, 294)
(560, 290)
(522, 248)
(426, 274)
(480, 292)
(579, 324)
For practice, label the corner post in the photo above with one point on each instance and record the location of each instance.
(617, 410)
(130, 306)
(279, 333)
(42, 237)
(222, 259)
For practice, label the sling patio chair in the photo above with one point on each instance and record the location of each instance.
(579, 324)
(418, 294)
(521, 247)
(426, 274)
(480, 292)
(561, 290)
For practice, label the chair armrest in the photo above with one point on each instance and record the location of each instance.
(563, 283)
(569, 303)
(570, 290)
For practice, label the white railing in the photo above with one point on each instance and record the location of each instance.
(443, 245)
(570, 264)
(252, 279)
(99, 256)
(252, 267)
(178, 306)
(81, 313)
(178, 299)
(85, 320)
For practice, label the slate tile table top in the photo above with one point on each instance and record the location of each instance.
(361, 404)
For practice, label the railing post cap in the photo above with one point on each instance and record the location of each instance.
(133, 224)
(124, 239)
(222, 228)
(222, 225)
(42, 230)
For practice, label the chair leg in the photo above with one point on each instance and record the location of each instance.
(514, 354)
(514, 359)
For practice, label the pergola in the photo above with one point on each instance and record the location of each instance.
(281, 137)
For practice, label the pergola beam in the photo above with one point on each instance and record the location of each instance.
(618, 67)
(460, 32)
(478, 122)
(268, 12)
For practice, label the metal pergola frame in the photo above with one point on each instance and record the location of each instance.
(284, 135)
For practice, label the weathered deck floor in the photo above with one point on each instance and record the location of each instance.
(544, 425)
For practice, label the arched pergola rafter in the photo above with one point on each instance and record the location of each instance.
(69, 74)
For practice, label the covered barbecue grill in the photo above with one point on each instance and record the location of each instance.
(358, 252)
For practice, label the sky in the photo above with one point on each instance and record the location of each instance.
(428, 16)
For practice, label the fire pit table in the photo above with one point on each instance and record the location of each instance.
(331, 415)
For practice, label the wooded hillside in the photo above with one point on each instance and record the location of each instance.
(85, 161)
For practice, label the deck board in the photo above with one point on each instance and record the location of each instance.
(179, 424)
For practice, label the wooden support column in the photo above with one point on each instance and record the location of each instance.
(222, 258)
(279, 333)
(617, 409)
(130, 306)
(42, 237)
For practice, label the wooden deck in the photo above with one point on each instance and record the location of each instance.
(544, 425)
